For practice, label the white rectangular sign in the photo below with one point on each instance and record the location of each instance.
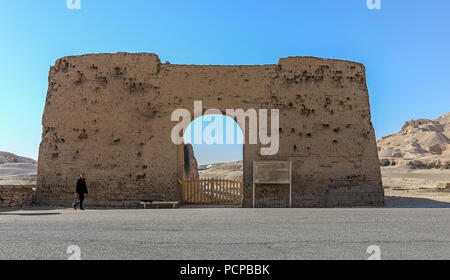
(274, 173)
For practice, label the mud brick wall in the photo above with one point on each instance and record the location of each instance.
(17, 196)
(108, 115)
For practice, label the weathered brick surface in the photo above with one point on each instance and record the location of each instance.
(17, 196)
(108, 115)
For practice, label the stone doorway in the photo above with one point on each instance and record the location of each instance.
(212, 160)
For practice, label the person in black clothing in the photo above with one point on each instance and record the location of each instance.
(81, 189)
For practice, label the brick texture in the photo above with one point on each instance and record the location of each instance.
(17, 196)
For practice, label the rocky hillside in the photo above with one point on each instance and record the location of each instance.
(12, 158)
(421, 143)
(190, 162)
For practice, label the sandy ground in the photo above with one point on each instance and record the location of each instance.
(18, 173)
(416, 187)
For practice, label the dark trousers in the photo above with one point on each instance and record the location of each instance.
(80, 201)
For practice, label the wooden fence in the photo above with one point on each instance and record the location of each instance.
(212, 191)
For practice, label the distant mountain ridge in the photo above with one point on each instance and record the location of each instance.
(6, 157)
(421, 143)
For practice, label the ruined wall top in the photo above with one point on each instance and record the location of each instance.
(154, 59)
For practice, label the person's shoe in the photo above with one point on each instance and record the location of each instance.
(82, 209)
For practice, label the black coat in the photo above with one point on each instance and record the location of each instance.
(81, 186)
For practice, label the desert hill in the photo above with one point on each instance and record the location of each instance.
(415, 164)
(17, 170)
(6, 157)
(229, 170)
(421, 143)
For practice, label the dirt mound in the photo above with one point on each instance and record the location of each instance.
(421, 143)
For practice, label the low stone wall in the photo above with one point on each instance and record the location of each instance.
(17, 196)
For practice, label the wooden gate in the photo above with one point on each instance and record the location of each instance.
(212, 191)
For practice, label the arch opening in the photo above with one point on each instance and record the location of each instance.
(217, 144)
(212, 161)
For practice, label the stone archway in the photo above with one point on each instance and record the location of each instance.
(219, 144)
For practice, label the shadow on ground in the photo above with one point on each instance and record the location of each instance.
(413, 202)
(29, 214)
(35, 211)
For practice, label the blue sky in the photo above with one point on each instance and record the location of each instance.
(405, 47)
(215, 138)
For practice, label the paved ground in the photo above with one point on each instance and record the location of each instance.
(226, 233)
